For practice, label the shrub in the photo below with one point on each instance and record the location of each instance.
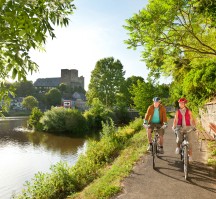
(62, 120)
(55, 185)
(121, 115)
(136, 124)
(96, 114)
(34, 119)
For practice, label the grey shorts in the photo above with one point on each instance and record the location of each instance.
(179, 134)
(158, 126)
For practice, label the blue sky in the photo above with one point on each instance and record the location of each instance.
(95, 32)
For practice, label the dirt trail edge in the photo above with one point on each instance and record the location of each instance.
(167, 180)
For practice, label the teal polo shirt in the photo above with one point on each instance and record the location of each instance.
(156, 116)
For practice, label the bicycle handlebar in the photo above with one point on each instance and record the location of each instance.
(188, 131)
(148, 125)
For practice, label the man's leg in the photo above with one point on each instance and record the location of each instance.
(161, 140)
(149, 135)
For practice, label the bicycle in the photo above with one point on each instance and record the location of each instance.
(155, 145)
(155, 141)
(184, 152)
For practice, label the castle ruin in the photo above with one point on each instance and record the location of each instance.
(71, 78)
(68, 77)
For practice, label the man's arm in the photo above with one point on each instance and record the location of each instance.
(164, 115)
(147, 115)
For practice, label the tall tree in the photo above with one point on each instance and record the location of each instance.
(172, 33)
(25, 25)
(128, 86)
(107, 78)
(142, 95)
(178, 39)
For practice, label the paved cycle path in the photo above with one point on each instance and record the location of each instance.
(167, 180)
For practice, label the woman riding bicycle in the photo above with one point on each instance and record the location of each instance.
(183, 122)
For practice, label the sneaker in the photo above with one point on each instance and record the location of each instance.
(160, 150)
(177, 151)
(149, 147)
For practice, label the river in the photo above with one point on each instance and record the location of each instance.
(23, 154)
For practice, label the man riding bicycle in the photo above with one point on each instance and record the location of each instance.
(155, 117)
(183, 122)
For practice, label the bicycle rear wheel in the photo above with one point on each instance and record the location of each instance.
(186, 162)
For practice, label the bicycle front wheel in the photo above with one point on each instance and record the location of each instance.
(186, 162)
(154, 151)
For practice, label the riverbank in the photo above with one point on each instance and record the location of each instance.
(24, 154)
(64, 180)
(112, 175)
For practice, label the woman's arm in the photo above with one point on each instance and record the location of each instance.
(175, 120)
(193, 123)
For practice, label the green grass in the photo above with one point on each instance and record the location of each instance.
(109, 183)
(212, 154)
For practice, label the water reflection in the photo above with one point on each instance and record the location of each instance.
(23, 153)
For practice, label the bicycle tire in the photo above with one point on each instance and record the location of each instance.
(186, 162)
(181, 154)
(154, 149)
(157, 146)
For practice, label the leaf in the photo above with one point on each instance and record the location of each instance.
(22, 33)
(14, 73)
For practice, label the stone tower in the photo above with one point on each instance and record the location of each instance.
(70, 77)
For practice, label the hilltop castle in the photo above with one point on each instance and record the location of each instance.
(68, 77)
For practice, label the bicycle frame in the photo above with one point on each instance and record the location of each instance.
(184, 153)
(155, 145)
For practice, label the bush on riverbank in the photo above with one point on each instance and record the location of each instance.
(71, 122)
(97, 114)
(61, 120)
(63, 180)
(34, 120)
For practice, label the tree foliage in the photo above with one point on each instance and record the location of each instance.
(29, 102)
(25, 25)
(24, 88)
(171, 33)
(178, 39)
(97, 114)
(34, 119)
(207, 8)
(130, 81)
(142, 95)
(144, 92)
(199, 84)
(61, 120)
(106, 82)
(53, 97)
